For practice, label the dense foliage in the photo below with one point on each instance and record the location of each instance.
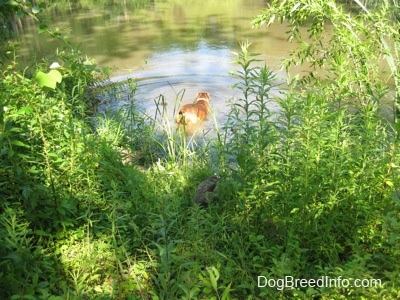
(99, 206)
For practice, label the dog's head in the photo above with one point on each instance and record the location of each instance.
(203, 96)
(192, 113)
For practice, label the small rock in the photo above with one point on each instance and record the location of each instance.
(205, 190)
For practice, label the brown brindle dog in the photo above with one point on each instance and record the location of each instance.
(193, 113)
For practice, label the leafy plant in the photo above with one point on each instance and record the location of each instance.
(308, 188)
(335, 39)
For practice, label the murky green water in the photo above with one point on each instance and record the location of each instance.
(169, 46)
(126, 37)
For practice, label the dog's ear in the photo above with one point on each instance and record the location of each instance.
(181, 118)
(203, 95)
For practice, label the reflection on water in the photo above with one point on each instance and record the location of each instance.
(170, 46)
(125, 38)
(202, 69)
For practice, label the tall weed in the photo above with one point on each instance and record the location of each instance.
(308, 191)
(315, 186)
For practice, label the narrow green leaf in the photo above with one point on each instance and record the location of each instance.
(53, 154)
(19, 143)
(226, 294)
(214, 275)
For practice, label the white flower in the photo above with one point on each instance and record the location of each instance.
(55, 65)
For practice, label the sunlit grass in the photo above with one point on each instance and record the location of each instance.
(100, 206)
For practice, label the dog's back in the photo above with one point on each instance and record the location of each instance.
(194, 112)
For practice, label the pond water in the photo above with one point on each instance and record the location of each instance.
(168, 46)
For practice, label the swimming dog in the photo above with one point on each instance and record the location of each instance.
(193, 113)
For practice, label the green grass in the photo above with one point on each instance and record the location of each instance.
(99, 206)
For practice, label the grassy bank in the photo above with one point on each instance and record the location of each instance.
(100, 206)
